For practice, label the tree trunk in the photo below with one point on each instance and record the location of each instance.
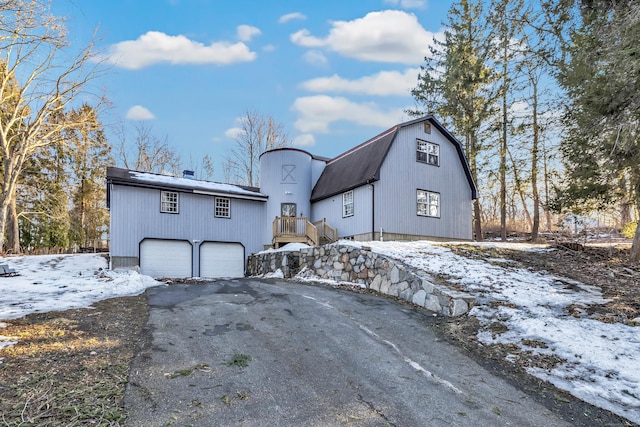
(520, 190)
(545, 171)
(503, 172)
(477, 223)
(4, 208)
(471, 157)
(503, 142)
(635, 246)
(534, 165)
(13, 230)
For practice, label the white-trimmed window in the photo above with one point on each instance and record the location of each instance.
(428, 203)
(169, 202)
(347, 204)
(427, 152)
(223, 207)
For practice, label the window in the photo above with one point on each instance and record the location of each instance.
(223, 208)
(288, 210)
(347, 204)
(169, 202)
(428, 203)
(428, 152)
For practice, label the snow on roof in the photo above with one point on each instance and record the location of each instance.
(215, 187)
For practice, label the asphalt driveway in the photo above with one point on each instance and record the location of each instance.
(314, 356)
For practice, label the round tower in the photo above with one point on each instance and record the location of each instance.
(286, 177)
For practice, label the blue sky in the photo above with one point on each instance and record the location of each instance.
(333, 72)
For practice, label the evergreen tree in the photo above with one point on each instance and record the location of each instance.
(506, 19)
(455, 82)
(32, 45)
(89, 154)
(601, 150)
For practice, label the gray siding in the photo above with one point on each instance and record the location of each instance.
(290, 185)
(317, 166)
(331, 209)
(401, 175)
(135, 215)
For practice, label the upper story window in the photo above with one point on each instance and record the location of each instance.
(427, 152)
(169, 202)
(347, 204)
(428, 203)
(223, 207)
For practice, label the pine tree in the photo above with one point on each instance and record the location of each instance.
(506, 20)
(455, 83)
(601, 150)
(89, 154)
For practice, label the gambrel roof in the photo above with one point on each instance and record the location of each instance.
(361, 165)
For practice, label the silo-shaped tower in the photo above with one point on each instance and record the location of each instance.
(286, 177)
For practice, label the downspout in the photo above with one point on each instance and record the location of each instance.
(373, 210)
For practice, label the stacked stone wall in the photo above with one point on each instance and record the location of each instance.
(343, 263)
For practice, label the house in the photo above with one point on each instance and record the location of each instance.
(410, 182)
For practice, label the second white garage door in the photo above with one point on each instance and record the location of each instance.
(221, 259)
(165, 258)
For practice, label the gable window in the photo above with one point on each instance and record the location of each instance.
(428, 203)
(169, 202)
(347, 204)
(222, 208)
(427, 152)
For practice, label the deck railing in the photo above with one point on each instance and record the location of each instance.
(294, 229)
(325, 231)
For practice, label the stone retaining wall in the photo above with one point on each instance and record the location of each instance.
(375, 271)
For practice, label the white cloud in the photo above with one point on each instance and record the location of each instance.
(247, 32)
(291, 16)
(386, 36)
(384, 83)
(138, 112)
(408, 4)
(304, 140)
(233, 133)
(269, 48)
(156, 47)
(316, 113)
(315, 57)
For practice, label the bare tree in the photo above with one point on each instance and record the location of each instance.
(38, 82)
(148, 153)
(259, 133)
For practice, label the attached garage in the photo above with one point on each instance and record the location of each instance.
(219, 259)
(166, 258)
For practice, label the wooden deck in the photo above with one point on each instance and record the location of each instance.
(300, 230)
(293, 230)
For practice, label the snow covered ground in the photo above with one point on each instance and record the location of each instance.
(599, 361)
(61, 282)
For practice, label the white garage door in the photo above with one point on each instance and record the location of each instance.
(165, 258)
(221, 260)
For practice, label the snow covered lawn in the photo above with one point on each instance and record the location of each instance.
(61, 282)
(598, 362)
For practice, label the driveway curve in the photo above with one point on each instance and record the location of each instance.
(314, 356)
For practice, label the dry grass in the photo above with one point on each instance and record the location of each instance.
(70, 368)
